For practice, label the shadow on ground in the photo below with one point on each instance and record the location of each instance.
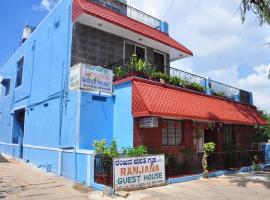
(3, 159)
(242, 180)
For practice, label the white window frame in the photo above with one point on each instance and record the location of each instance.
(17, 87)
(198, 143)
(136, 45)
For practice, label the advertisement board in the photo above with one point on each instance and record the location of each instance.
(91, 78)
(138, 172)
(149, 122)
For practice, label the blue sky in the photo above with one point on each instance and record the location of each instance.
(224, 49)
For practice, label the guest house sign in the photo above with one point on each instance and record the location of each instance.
(91, 78)
(138, 172)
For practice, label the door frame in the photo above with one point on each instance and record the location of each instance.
(20, 142)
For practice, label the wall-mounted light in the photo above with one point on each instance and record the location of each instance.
(140, 39)
(99, 24)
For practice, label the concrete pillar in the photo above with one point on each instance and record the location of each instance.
(60, 162)
(208, 86)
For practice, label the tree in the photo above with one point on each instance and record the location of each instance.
(207, 148)
(263, 132)
(261, 8)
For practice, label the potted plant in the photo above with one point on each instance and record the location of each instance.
(104, 158)
(174, 80)
(119, 73)
(196, 87)
(164, 78)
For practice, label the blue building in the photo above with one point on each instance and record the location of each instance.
(50, 113)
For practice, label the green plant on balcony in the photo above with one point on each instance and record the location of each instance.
(119, 72)
(195, 86)
(174, 80)
(183, 83)
(219, 94)
(164, 78)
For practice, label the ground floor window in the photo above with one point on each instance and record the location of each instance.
(198, 136)
(171, 132)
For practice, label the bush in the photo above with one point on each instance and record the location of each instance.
(102, 149)
(135, 152)
(208, 148)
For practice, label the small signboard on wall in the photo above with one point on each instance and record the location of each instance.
(138, 172)
(149, 122)
(91, 78)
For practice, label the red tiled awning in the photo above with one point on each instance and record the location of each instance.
(158, 100)
(98, 11)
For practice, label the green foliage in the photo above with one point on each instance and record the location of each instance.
(220, 94)
(255, 164)
(196, 86)
(119, 71)
(208, 148)
(113, 149)
(261, 8)
(135, 152)
(174, 80)
(262, 132)
(104, 150)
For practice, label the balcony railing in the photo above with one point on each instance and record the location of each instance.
(149, 70)
(131, 12)
(227, 91)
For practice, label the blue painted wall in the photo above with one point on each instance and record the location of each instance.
(45, 76)
(122, 115)
(96, 120)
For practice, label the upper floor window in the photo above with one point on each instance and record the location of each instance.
(131, 49)
(171, 132)
(6, 84)
(19, 72)
(159, 61)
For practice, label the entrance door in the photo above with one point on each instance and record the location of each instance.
(18, 129)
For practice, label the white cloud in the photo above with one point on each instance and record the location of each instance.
(257, 83)
(224, 49)
(45, 5)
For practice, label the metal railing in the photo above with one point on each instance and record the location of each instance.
(103, 170)
(147, 69)
(123, 8)
(192, 164)
(227, 91)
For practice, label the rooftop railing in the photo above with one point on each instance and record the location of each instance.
(123, 8)
(147, 69)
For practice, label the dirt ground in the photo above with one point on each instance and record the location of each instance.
(24, 181)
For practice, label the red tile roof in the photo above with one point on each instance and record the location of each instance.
(85, 6)
(160, 100)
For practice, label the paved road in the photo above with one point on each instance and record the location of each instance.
(234, 187)
(23, 181)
